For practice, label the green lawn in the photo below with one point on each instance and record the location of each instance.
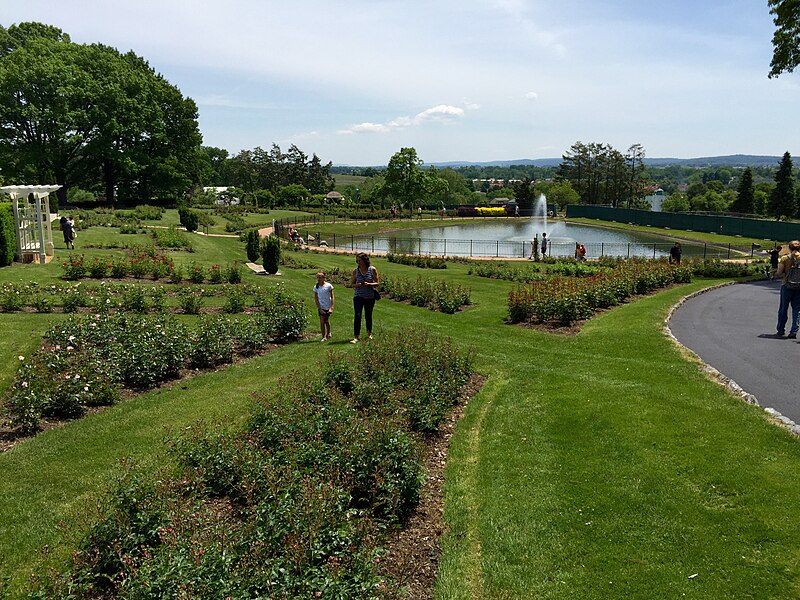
(681, 234)
(602, 465)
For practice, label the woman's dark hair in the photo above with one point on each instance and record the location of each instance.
(364, 257)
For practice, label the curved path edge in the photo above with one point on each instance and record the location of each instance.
(718, 377)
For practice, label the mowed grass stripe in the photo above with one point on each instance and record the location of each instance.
(613, 468)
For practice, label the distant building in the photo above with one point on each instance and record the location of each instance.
(655, 199)
(224, 199)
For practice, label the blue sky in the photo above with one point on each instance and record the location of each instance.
(474, 80)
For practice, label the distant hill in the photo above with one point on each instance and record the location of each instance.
(732, 160)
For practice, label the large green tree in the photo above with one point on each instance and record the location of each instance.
(403, 179)
(602, 175)
(408, 184)
(782, 201)
(745, 197)
(786, 39)
(89, 116)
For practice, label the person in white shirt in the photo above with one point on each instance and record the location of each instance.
(323, 296)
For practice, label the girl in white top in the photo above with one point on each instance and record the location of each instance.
(323, 296)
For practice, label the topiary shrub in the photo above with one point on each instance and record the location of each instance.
(271, 254)
(189, 218)
(253, 245)
(8, 242)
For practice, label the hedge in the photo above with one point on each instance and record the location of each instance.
(8, 243)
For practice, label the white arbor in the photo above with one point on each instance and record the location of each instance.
(31, 205)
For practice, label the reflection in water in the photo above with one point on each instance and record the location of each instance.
(511, 237)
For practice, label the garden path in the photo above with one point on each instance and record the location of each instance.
(727, 327)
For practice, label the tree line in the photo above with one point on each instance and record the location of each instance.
(98, 121)
(87, 115)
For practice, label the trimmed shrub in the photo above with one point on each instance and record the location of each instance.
(8, 240)
(188, 218)
(271, 254)
(253, 245)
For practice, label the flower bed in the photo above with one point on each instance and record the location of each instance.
(87, 361)
(565, 300)
(127, 297)
(415, 260)
(146, 263)
(437, 295)
(294, 505)
(527, 272)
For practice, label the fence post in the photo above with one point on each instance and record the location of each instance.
(445, 247)
(654, 250)
(373, 243)
(334, 239)
(602, 249)
(629, 249)
(352, 240)
(470, 248)
(497, 252)
(729, 250)
(705, 247)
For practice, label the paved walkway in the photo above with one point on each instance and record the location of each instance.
(724, 326)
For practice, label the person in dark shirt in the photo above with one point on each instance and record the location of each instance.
(774, 254)
(675, 254)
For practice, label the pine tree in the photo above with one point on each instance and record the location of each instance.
(782, 201)
(745, 199)
(271, 254)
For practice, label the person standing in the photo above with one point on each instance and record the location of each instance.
(789, 271)
(365, 283)
(675, 254)
(544, 245)
(68, 227)
(324, 297)
(774, 254)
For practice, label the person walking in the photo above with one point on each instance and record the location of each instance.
(324, 297)
(789, 271)
(365, 282)
(68, 227)
(675, 254)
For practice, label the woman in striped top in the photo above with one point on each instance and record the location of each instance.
(365, 282)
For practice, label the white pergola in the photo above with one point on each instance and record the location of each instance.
(32, 220)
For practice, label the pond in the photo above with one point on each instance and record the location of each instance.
(509, 238)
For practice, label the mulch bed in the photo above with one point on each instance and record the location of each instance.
(413, 551)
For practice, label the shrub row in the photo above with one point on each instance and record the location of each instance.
(567, 299)
(86, 361)
(134, 298)
(414, 260)
(171, 238)
(437, 295)
(717, 268)
(527, 272)
(296, 504)
(143, 265)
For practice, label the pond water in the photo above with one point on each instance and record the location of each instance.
(512, 238)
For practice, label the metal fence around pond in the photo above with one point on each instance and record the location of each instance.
(503, 249)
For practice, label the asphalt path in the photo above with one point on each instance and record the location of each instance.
(726, 328)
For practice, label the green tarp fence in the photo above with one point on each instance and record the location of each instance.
(753, 228)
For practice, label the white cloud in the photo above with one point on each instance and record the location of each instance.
(443, 113)
(531, 96)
